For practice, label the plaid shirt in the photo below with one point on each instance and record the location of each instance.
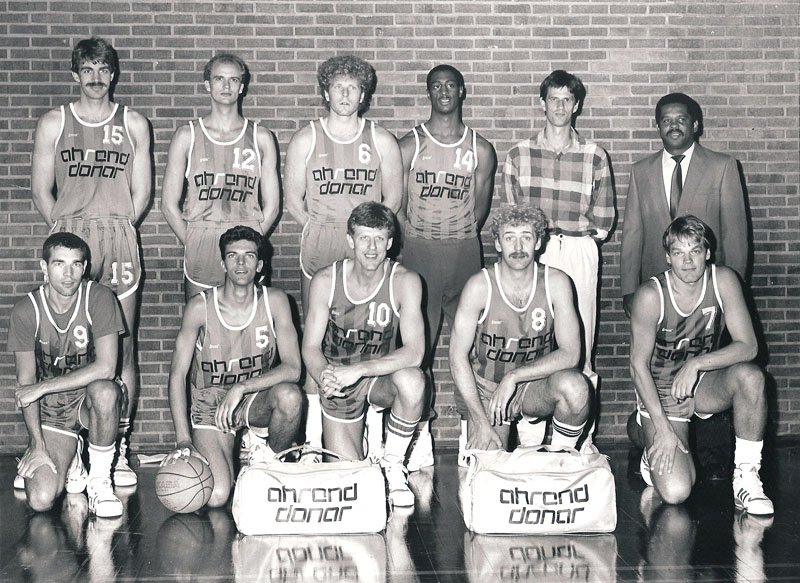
(572, 187)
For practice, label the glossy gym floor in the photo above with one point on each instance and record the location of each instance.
(702, 540)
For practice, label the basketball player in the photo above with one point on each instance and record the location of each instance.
(65, 340)
(230, 167)
(228, 343)
(679, 368)
(95, 155)
(332, 165)
(503, 353)
(449, 170)
(357, 308)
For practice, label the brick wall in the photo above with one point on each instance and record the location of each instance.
(737, 58)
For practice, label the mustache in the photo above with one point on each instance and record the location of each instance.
(519, 255)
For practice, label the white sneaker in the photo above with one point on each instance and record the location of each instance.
(748, 491)
(261, 453)
(77, 476)
(249, 440)
(644, 468)
(421, 455)
(531, 434)
(397, 482)
(373, 434)
(463, 456)
(123, 474)
(102, 502)
(19, 482)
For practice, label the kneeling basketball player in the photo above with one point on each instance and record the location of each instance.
(503, 353)
(231, 336)
(357, 309)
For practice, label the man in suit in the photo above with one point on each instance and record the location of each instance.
(684, 178)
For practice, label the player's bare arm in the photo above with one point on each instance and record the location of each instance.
(407, 148)
(742, 348)
(645, 312)
(36, 454)
(269, 186)
(142, 178)
(173, 184)
(391, 169)
(43, 169)
(484, 180)
(481, 434)
(316, 322)
(288, 371)
(294, 175)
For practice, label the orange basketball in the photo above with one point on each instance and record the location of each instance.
(184, 486)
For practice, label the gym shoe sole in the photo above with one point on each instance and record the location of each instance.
(102, 501)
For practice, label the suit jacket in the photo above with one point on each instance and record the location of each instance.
(712, 192)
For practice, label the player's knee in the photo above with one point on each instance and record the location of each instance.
(410, 383)
(220, 493)
(674, 491)
(104, 396)
(749, 379)
(40, 500)
(288, 399)
(573, 389)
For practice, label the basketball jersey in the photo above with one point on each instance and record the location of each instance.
(363, 330)
(94, 167)
(441, 187)
(223, 177)
(226, 354)
(341, 175)
(508, 337)
(682, 336)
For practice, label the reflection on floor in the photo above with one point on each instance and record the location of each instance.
(702, 540)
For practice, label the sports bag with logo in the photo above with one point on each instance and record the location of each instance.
(341, 497)
(538, 490)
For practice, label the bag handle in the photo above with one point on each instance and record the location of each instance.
(308, 448)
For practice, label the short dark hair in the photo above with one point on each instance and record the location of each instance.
(688, 227)
(448, 68)
(692, 106)
(519, 214)
(347, 65)
(66, 240)
(560, 78)
(95, 50)
(229, 58)
(240, 233)
(373, 215)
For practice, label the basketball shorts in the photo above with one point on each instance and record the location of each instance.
(115, 261)
(486, 389)
(680, 410)
(205, 403)
(353, 406)
(202, 259)
(321, 245)
(61, 412)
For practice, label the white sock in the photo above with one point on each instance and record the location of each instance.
(100, 458)
(565, 435)
(747, 452)
(314, 421)
(398, 437)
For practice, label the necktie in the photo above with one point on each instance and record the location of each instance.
(676, 186)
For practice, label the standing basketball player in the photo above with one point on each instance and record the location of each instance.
(503, 352)
(65, 340)
(679, 369)
(95, 155)
(332, 165)
(357, 309)
(449, 170)
(230, 336)
(229, 164)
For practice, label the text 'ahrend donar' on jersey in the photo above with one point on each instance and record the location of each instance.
(441, 187)
(94, 167)
(681, 336)
(508, 337)
(227, 354)
(340, 175)
(223, 177)
(363, 330)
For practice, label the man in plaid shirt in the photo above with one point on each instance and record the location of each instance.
(568, 177)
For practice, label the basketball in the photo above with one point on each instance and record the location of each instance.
(184, 486)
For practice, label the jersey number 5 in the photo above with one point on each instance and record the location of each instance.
(262, 336)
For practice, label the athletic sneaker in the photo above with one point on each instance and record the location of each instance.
(748, 492)
(421, 455)
(102, 502)
(397, 482)
(123, 474)
(261, 453)
(77, 476)
(463, 456)
(644, 468)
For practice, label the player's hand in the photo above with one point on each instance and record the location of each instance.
(227, 407)
(480, 435)
(26, 395)
(328, 384)
(685, 382)
(183, 451)
(662, 452)
(499, 404)
(347, 375)
(34, 458)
